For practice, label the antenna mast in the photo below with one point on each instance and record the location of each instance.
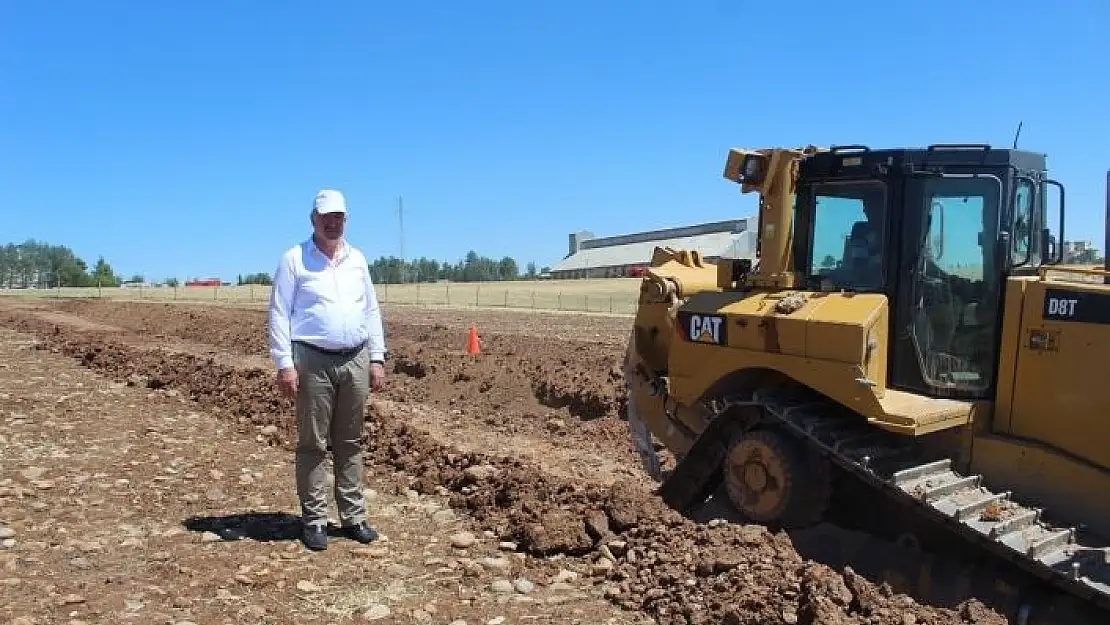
(1017, 134)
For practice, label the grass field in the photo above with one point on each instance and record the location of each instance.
(607, 295)
(610, 295)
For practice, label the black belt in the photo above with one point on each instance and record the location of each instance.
(347, 351)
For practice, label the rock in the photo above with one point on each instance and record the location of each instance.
(7, 543)
(210, 537)
(306, 586)
(597, 524)
(6, 532)
(564, 576)
(602, 567)
(481, 473)
(376, 612)
(499, 565)
(523, 586)
(507, 545)
(463, 540)
(32, 473)
(72, 599)
(370, 552)
(789, 616)
(270, 430)
(502, 586)
(497, 620)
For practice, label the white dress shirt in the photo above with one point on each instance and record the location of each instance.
(331, 304)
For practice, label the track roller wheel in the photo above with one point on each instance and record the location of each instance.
(772, 478)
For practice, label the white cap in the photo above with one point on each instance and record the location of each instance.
(329, 201)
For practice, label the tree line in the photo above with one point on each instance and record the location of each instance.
(473, 268)
(41, 265)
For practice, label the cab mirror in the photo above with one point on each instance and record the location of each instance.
(936, 230)
(1054, 241)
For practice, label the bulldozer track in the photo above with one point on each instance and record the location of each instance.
(997, 522)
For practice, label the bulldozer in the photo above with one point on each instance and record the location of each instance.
(907, 318)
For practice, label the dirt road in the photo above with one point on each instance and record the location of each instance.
(522, 447)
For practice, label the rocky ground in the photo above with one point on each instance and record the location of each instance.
(145, 474)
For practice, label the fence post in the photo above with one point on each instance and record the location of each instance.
(533, 299)
(610, 304)
(506, 298)
(448, 302)
(418, 293)
(559, 306)
(586, 301)
(99, 289)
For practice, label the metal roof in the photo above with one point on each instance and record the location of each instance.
(713, 244)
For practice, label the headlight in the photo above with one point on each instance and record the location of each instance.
(755, 168)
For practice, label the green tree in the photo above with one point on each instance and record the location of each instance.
(256, 278)
(507, 269)
(103, 274)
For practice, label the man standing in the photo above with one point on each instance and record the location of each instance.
(327, 343)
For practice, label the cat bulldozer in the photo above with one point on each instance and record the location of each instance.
(908, 319)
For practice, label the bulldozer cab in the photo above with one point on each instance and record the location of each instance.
(937, 230)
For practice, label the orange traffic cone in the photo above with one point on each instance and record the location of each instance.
(472, 346)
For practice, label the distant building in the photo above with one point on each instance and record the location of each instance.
(1080, 252)
(627, 255)
(203, 282)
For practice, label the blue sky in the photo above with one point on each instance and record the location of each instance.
(187, 139)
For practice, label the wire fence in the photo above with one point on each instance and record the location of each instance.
(610, 296)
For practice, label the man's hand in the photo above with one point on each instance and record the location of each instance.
(377, 376)
(287, 382)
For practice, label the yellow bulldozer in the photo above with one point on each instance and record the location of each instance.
(908, 317)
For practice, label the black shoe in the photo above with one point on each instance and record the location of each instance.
(362, 532)
(315, 537)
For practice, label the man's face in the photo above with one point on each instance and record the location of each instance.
(329, 225)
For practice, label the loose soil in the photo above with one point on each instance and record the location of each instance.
(525, 391)
(122, 503)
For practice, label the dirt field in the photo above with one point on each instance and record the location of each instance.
(146, 475)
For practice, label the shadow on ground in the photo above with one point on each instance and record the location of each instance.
(259, 526)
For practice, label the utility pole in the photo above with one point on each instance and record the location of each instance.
(401, 234)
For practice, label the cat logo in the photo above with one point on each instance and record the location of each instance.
(705, 329)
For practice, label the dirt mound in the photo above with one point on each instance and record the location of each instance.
(517, 385)
(647, 556)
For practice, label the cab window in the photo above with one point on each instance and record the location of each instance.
(847, 245)
(1022, 229)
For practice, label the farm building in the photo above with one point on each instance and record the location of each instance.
(627, 254)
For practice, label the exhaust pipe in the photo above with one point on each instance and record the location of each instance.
(1106, 232)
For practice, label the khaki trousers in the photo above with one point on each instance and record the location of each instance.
(330, 405)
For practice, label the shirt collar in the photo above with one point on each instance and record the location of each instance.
(343, 252)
